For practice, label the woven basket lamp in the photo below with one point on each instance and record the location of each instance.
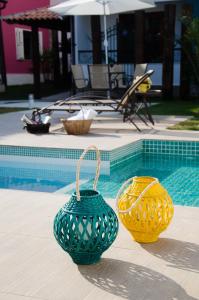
(86, 226)
(145, 208)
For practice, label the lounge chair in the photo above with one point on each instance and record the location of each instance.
(100, 79)
(98, 82)
(128, 105)
(80, 82)
(140, 69)
(117, 73)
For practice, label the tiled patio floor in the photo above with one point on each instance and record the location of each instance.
(33, 266)
(107, 132)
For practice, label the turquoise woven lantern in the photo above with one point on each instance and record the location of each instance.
(86, 226)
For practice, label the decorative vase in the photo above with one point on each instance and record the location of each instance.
(145, 208)
(86, 226)
(145, 86)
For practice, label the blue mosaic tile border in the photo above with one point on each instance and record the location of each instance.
(116, 156)
(51, 152)
(183, 148)
(125, 152)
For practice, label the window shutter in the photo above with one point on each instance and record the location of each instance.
(40, 42)
(19, 43)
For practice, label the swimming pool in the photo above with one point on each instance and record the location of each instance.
(34, 176)
(179, 174)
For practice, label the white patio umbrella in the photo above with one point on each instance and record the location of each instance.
(100, 7)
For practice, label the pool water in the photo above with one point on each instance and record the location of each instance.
(178, 174)
(34, 177)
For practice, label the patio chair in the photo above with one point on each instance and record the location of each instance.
(123, 81)
(100, 80)
(81, 83)
(140, 69)
(128, 105)
(117, 73)
(98, 83)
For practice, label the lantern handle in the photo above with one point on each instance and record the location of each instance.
(139, 197)
(97, 169)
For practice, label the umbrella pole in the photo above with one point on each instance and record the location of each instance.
(106, 47)
(105, 34)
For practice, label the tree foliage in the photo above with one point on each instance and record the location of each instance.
(190, 45)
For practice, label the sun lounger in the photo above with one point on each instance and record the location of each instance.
(81, 83)
(128, 105)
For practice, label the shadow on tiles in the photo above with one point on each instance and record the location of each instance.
(131, 281)
(180, 254)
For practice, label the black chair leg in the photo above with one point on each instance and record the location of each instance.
(129, 118)
(142, 119)
(147, 111)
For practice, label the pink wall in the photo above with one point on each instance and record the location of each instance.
(15, 6)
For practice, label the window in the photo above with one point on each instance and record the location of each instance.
(24, 43)
(153, 38)
(126, 30)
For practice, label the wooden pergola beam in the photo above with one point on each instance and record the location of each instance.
(2, 57)
(36, 62)
(64, 49)
(55, 47)
(47, 24)
(35, 19)
(40, 17)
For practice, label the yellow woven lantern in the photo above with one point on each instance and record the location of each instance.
(145, 208)
(144, 86)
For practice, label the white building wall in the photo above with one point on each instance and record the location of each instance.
(83, 39)
(20, 79)
(55, 2)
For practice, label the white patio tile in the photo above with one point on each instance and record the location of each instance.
(33, 266)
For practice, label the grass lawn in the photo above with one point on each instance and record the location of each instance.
(5, 110)
(21, 92)
(178, 108)
(191, 124)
